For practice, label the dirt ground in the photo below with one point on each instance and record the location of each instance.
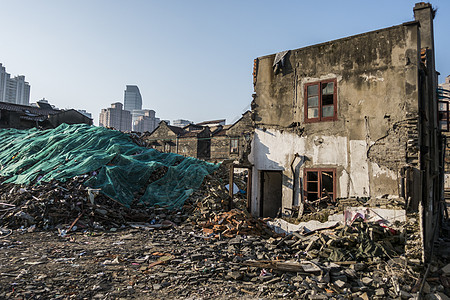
(115, 265)
(174, 263)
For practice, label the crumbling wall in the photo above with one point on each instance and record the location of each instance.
(162, 139)
(187, 146)
(241, 130)
(376, 76)
(399, 147)
(220, 147)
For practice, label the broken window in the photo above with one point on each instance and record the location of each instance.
(320, 104)
(166, 147)
(320, 183)
(444, 118)
(234, 145)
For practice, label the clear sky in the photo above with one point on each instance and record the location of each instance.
(191, 59)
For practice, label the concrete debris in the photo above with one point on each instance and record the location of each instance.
(61, 240)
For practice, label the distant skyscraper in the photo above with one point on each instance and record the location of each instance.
(146, 122)
(181, 123)
(115, 117)
(4, 77)
(13, 90)
(132, 98)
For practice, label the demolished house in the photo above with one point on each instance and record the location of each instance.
(192, 140)
(350, 118)
(41, 116)
(211, 141)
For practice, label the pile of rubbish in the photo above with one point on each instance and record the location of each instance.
(123, 171)
(79, 178)
(70, 206)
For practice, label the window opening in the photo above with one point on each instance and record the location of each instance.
(320, 104)
(320, 184)
(234, 145)
(444, 119)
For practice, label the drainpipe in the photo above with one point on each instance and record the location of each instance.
(293, 177)
(176, 144)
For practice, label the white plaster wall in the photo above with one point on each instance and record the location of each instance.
(331, 151)
(359, 169)
(274, 150)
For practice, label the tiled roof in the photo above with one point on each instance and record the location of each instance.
(175, 129)
(28, 109)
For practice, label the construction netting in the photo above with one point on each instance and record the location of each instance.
(109, 159)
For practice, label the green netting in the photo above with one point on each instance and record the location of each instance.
(125, 169)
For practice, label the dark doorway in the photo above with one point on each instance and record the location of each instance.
(271, 193)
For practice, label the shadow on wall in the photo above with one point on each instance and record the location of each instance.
(261, 156)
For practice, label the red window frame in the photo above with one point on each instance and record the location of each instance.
(320, 105)
(308, 186)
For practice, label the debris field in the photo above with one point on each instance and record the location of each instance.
(62, 239)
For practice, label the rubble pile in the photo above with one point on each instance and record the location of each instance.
(213, 210)
(181, 262)
(235, 222)
(70, 206)
(360, 242)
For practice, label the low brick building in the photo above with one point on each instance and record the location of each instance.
(232, 141)
(24, 116)
(193, 141)
(209, 141)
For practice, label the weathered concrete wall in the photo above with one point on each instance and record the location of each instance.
(374, 135)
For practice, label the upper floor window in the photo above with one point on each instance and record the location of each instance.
(234, 145)
(444, 118)
(321, 101)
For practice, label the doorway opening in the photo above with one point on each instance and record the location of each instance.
(271, 193)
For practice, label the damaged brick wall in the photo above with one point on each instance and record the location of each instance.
(399, 147)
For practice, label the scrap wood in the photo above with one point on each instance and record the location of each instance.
(246, 291)
(349, 262)
(161, 260)
(286, 266)
(74, 222)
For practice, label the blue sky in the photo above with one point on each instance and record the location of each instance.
(191, 59)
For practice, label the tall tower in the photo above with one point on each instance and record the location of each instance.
(115, 117)
(4, 77)
(132, 98)
(14, 90)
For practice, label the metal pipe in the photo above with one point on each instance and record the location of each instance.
(293, 177)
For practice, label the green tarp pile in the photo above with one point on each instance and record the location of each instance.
(120, 167)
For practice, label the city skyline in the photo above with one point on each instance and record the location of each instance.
(13, 89)
(190, 60)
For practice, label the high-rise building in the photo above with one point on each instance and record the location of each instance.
(4, 77)
(13, 90)
(181, 122)
(146, 122)
(115, 117)
(132, 98)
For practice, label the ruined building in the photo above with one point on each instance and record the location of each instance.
(211, 140)
(43, 115)
(354, 117)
